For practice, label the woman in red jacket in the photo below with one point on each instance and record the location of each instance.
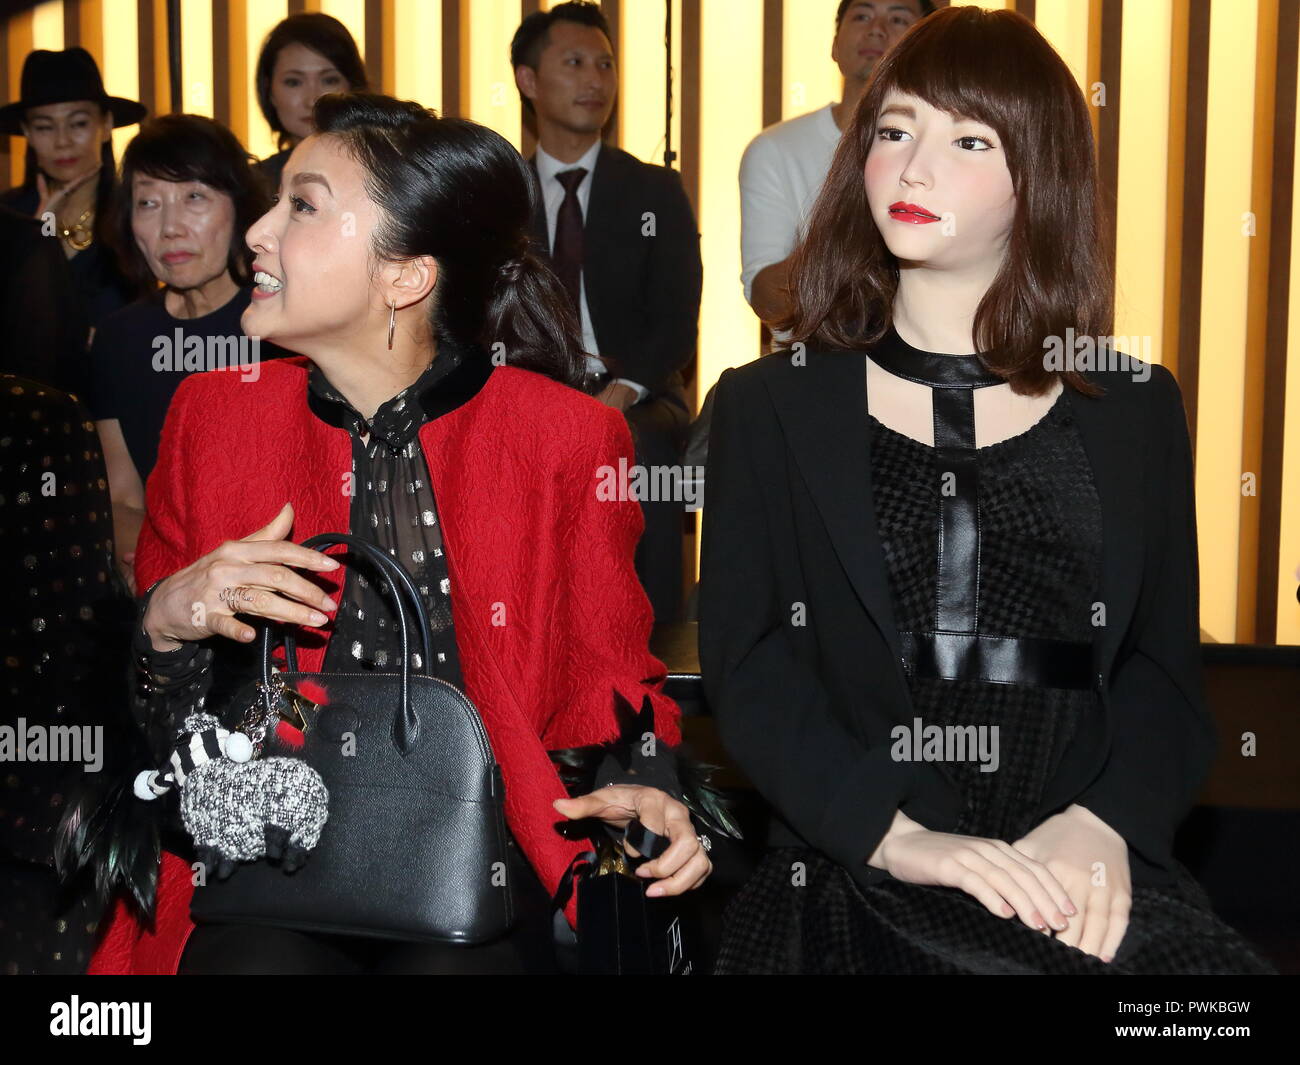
(433, 414)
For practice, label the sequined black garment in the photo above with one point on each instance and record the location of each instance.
(64, 627)
(1038, 574)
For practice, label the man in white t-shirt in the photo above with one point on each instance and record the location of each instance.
(784, 166)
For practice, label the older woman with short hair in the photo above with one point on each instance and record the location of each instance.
(186, 195)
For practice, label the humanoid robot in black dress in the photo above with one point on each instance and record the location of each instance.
(993, 555)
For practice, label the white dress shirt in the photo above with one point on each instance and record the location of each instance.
(553, 196)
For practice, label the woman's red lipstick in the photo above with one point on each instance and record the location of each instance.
(910, 212)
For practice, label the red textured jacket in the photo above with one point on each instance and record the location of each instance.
(550, 617)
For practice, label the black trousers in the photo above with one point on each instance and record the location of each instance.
(659, 426)
(236, 949)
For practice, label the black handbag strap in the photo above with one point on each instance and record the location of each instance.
(406, 725)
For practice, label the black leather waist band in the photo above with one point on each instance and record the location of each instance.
(999, 659)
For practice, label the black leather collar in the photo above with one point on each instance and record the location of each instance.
(929, 367)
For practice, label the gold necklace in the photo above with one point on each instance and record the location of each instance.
(79, 234)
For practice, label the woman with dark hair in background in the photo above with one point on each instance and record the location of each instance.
(304, 56)
(437, 382)
(188, 194)
(68, 119)
(949, 608)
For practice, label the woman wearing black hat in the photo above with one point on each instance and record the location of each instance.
(68, 120)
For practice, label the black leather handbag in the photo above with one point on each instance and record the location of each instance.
(414, 847)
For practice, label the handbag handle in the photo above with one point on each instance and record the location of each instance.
(406, 725)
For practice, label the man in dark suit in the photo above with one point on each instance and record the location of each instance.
(622, 236)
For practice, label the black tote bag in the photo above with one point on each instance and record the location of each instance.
(414, 847)
(621, 931)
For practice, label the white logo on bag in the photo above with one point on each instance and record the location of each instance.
(675, 956)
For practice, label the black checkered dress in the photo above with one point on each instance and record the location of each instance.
(1040, 537)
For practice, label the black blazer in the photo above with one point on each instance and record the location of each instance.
(805, 710)
(643, 289)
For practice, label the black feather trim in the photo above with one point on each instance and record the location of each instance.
(111, 837)
(583, 769)
(108, 836)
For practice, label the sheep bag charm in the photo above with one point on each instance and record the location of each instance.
(238, 808)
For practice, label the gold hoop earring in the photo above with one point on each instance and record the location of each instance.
(392, 323)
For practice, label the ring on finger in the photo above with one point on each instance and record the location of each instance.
(705, 842)
(231, 596)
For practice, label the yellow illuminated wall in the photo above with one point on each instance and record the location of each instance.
(1223, 307)
(731, 112)
(1144, 150)
(260, 17)
(809, 78)
(418, 52)
(641, 88)
(1289, 563)
(721, 99)
(196, 57)
(121, 46)
(492, 97)
(1065, 24)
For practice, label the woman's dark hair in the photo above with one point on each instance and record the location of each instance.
(105, 183)
(459, 192)
(189, 148)
(994, 67)
(321, 33)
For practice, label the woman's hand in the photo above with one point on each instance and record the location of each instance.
(1005, 880)
(1091, 860)
(188, 604)
(52, 201)
(683, 866)
(619, 396)
(126, 566)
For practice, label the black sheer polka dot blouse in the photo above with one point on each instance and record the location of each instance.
(392, 506)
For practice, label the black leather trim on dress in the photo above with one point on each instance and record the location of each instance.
(931, 368)
(957, 587)
(956, 650)
(999, 659)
